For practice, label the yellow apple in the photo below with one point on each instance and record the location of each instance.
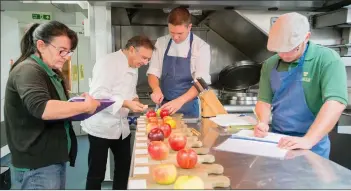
(167, 118)
(189, 182)
(151, 126)
(158, 112)
(171, 123)
(164, 174)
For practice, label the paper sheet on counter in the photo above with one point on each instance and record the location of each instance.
(137, 184)
(252, 148)
(230, 119)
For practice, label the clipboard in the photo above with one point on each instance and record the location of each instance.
(104, 103)
(250, 139)
(248, 135)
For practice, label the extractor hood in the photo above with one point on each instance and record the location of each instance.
(338, 18)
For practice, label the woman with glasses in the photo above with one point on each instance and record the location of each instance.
(41, 141)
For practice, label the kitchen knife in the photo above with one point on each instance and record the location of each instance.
(197, 87)
(202, 83)
(157, 107)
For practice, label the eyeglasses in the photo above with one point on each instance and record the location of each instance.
(62, 52)
(142, 57)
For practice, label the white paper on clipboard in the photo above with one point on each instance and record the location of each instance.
(273, 137)
(231, 119)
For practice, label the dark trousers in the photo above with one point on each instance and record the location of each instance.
(97, 160)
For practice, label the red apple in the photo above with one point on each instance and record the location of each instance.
(152, 120)
(166, 128)
(177, 141)
(187, 158)
(150, 113)
(160, 121)
(164, 174)
(164, 113)
(156, 134)
(158, 150)
(150, 126)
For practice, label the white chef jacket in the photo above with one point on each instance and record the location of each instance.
(112, 79)
(200, 56)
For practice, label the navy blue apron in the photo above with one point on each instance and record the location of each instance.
(291, 114)
(176, 80)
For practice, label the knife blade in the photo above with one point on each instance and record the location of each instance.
(202, 83)
(157, 107)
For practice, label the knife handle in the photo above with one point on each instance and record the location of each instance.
(196, 86)
(202, 83)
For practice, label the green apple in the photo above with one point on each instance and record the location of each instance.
(189, 182)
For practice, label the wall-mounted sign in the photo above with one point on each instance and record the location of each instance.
(37, 16)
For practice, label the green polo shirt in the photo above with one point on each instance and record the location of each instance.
(324, 77)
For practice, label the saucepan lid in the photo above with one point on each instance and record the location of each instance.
(240, 76)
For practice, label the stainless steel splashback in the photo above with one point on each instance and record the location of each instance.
(241, 33)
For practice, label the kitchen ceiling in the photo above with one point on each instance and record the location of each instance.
(321, 5)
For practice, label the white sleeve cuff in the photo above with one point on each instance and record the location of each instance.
(154, 71)
(117, 105)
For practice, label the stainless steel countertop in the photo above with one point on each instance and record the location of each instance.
(299, 169)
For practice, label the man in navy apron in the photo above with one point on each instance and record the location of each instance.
(304, 86)
(178, 59)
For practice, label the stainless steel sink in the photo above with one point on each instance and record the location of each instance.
(345, 119)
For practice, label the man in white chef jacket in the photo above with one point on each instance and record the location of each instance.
(115, 77)
(179, 58)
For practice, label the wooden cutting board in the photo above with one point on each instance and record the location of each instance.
(147, 182)
(214, 169)
(143, 164)
(199, 151)
(192, 141)
(186, 131)
(172, 157)
(142, 120)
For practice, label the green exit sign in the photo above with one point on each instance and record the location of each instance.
(39, 16)
(46, 17)
(35, 16)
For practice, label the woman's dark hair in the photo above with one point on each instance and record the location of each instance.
(45, 32)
